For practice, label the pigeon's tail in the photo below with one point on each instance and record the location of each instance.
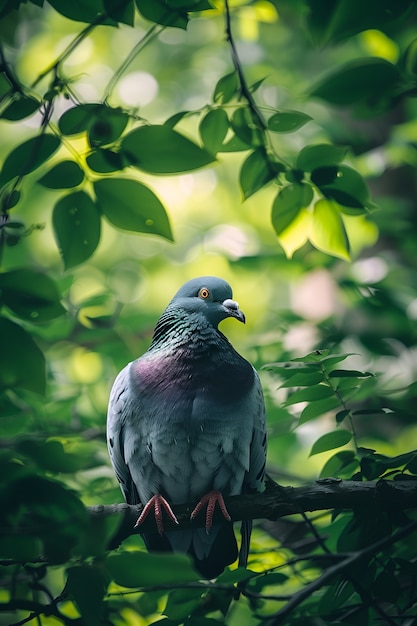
(211, 551)
(245, 531)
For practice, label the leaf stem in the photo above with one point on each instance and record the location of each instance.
(149, 36)
(342, 403)
(54, 67)
(246, 93)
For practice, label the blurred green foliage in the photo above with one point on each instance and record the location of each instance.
(272, 142)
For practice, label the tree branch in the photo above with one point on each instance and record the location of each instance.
(244, 89)
(277, 501)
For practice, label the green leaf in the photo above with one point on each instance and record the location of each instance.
(28, 156)
(78, 119)
(20, 548)
(320, 155)
(386, 587)
(412, 464)
(287, 121)
(368, 525)
(310, 394)
(410, 58)
(374, 465)
(256, 172)
(30, 294)
(5, 86)
(294, 176)
(52, 456)
(13, 420)
(288, 203)
(130, 205)
(331, 21)
(246, 127)
(342, 464)
(63, 175)
(271, 579)
(226, 88)
(160, 12)
(80, 11)
(300, 378)
(138, 569)
(349, 374)
(213, 129)
(191, 5)
(312, 357)
(10, 200)
(358, 80)
(162, 150)
(105, 161)
(181, 603)
(341, 415)
(255, 86)
(174, 119)
(296, 234)
(331, 360)
(235, 144)
(57, 515)
(107, 126)
(329, 441)
(235, 575)
(86, 585)
(120, 11)
(22, 364)
(22, 106)
(327, 232)
(77, 227)
(318, 408)
(103, 124)
(343, 184)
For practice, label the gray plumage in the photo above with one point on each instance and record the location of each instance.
(188, 418)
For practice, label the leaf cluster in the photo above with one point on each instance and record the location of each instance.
(316, 190)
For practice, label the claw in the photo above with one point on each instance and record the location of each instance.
(157, 503)
(210, 499)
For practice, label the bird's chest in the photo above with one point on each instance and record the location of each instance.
(181, 380)
(188, 417)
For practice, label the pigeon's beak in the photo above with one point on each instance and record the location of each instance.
(233, 310)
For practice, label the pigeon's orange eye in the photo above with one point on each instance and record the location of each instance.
(204, 293)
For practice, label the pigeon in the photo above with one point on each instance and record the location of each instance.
(187, 423)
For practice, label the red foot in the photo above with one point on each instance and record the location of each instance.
(157, 503)
(210, 500)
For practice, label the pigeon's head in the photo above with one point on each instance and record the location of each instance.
(208, 296)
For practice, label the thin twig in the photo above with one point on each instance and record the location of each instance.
(54, 66)
(206, 586)
(245, 91)
(36, 609)
(149, 36)
(342, 403)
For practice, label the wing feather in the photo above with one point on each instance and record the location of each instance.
(117, 416)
